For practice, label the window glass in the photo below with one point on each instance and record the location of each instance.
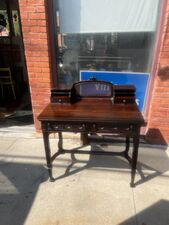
(101, 16)
(92, 38)
(4, 23)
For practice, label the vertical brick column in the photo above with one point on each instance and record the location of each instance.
(35, 38)
(158, 125)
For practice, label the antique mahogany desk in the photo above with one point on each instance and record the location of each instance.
(92, 107)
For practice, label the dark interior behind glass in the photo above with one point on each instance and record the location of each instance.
(102, 52)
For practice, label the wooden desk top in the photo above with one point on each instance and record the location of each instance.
(93, 110)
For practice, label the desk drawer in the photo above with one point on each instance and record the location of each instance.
(112, 129)
(89, 127)
(69, 127)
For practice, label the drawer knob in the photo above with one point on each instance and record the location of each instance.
(94, 126)
(82, 127)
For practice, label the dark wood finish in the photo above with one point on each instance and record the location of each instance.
(91, 107)
(94, 89)
(60, 96)
(124, 94)
(89, 110)
(92, 115)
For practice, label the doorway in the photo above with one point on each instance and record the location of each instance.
(15, 101)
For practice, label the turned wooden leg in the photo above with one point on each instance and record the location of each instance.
(48, 154)
(127, 149)
(60, 142)
(134, 155)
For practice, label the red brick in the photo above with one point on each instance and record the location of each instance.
(27, 8)
(34, 47)
(36, 16)
(38, 29)
(40, 9)
(45, 70)
(40, 22)
(34, 27)
(25, 29)
(44, 59)
(22, 2)
(40, 85)
(24, 15)
(39, 41)
(26, 41)
(34, 69)
(35, 2)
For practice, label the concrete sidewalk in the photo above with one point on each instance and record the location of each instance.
(89, 190)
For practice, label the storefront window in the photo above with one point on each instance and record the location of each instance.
(99, 35)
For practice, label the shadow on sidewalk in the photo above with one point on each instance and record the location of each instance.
(156, 214)
(152, 161)
(19, 183)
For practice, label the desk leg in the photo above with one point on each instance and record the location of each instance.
(134, 154)
(127, 144)
(60, 142)
(84, 138)
(127, 149)
(48, 154)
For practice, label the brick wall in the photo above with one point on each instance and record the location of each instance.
(35, 37)
(158, 125)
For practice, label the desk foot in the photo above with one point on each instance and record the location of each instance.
(127, 157)
(132, 185)
(51, 179)
(133, 173)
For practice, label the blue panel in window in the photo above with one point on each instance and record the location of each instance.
(139, 80)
